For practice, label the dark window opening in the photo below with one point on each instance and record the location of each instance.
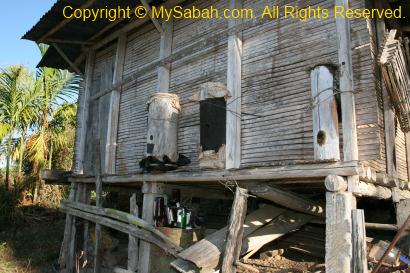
(213, 123)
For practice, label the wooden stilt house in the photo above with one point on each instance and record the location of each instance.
(308, 117)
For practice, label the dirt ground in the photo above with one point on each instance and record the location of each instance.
(31, 242)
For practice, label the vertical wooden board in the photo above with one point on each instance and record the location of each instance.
(338, 256)
(359, 242)
(113, 106)
(98, 112)
(133, 241)
(233, 83)
(325, 119)
(348, 107)
(83, 105)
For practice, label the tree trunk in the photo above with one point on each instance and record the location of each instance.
(8, 158)
(50, 156)
(22, 147)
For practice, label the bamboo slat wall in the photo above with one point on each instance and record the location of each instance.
(142, 48)
(276, 97)
(98, 114)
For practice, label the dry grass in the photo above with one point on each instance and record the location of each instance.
(30, 243)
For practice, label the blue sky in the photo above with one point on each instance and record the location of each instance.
(17, 17)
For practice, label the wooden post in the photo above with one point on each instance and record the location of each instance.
(66, 258)
(98, 202)
(150, 191)
(359, 242)
(234, 70)
(338, 256)
(165, 51)
(82, 114)
(389, 130)
(344, 45)
(114, 106)
(325, 120)
(85, 198)
(133, 241)
(235, 231)
(402, 212)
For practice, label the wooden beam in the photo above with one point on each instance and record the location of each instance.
(335, 183)
(153, 19)
(389, 130)
(70, 42)
(64, 56)
(98, 203)
(338, 256)
(165, 51)
(233, 105)
(344, 48)
(64, 258)
(63, 23)
(114, 107)
(82, 114)
(325, 119)
(359, 242)
(289, 200)
(319, 170)
(132, 240)
(120, 226)
(235, 231)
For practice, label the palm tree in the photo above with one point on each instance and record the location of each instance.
(57, 90)
(17, 96)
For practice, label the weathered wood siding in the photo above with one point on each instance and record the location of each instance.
(369, 109)
(142, 48)
(98, 116)
(208, 64)
(278, 56)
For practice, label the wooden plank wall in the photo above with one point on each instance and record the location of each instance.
(277, 57)
(276, 98)
(97, 121)
(207, 65)
(369, 109)
(142, 48)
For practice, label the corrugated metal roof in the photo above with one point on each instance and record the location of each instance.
(74, 30)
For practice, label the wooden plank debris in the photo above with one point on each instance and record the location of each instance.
(395, 73)
(207, 252)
